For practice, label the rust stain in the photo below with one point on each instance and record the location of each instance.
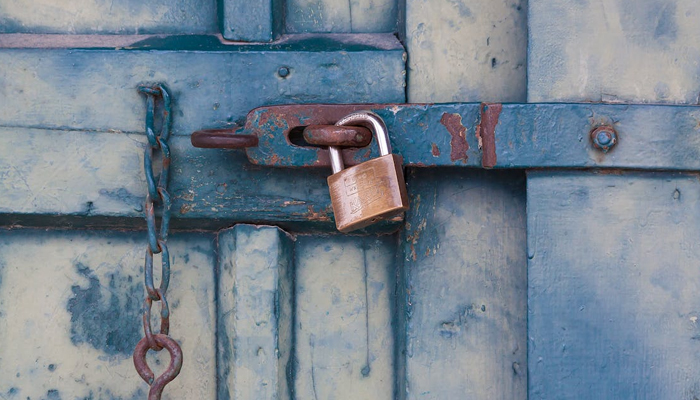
(486, 133)
(413, 238)
(186, 208)
(436, 150)
(317, 215)
(458, 143)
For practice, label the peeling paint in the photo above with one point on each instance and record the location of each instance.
(103, 317)
(458, 143)
(321, 215)
(486, 133)
(435, 150)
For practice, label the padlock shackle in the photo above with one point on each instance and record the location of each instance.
(336, 159)
(370, 120)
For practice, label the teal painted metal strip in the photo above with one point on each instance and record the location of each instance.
(613, 280)
(213, 84)
(524, 135)
(255, 298)
(251, 21)
(462, 292)
(344, 343)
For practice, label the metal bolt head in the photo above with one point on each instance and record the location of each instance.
(283, 72)
(604, 138)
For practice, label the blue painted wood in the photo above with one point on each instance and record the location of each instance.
(344, 340)
(86, 100)
(347, 16)
(213, 85)
(251, 21)
(70, 306)
(466, 50)
(614, 51)
(613, 283)
(108, 17)
(526, 135)
(462, 292)
(254, 306)
(96, 179)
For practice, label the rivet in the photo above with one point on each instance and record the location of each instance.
(283, 72)
(604, 138)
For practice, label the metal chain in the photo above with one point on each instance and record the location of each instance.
(157, 197)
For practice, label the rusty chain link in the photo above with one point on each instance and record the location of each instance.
(157, 196)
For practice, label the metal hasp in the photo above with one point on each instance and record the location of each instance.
(657, 137)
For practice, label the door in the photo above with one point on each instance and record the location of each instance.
(564, 273)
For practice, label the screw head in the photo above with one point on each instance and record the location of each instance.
(283, 72)
(604, 138)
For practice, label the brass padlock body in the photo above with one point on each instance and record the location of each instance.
(364, 194)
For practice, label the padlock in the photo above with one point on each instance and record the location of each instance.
(371, 191)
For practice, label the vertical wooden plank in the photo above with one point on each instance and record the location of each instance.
(251, 21)
(463, 50)
(70, 315)
(344, 338)
(463, 292)
(614, 51)
(341, 16)
(613, 282)
(254, 312)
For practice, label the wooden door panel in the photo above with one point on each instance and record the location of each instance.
(305, 316)
(70, 303)
(613, 282)
(213, 85)
(108, 17)
(614, 51)
(464, 291)
(255, 313)
(466, 51)
(343, 329)
(341, 16)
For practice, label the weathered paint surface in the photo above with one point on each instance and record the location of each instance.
(341, 16)
(614, 50)
(344, 345)
(213, 85)
(309, 317)
(85, 99)
(463, 50)
(70, 305)
(80, 183)
(463, 291)
(108, 16)
(251, 21)
(613, 283)
(256, 286)
(495, 135)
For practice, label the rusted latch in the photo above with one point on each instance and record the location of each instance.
(474, 135)
(299, 135)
